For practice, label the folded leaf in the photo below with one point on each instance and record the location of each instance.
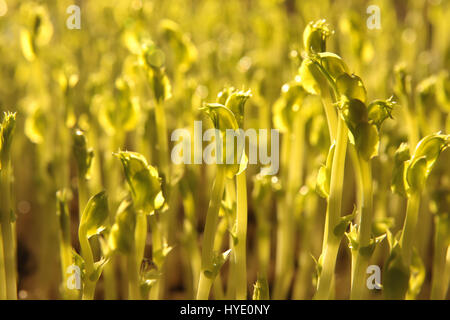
(143, 180)
(351, 86)
(398, 181)
(95, 215)
(333, 64)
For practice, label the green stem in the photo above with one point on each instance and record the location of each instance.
(167, 228)
(219, 293)
(65, 248)
(409, 227)
(66, 262)
(222, 229)
(263, 236)
(330, 114)
(410, 120)
(163, 147)
(140, 236)
(191, 245)
(7, 233)
(110, 283)
(333, 213)
(361, 260)
(82, 195)
(133, 273)
(88, 290)
(440, 280)
(241, 233)
(212, 216)
(230, 200)
(302, 284)
(156, 249)
(86, 253)
(2, 270)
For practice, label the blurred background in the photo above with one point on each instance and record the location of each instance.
(58, 79)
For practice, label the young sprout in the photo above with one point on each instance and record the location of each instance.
(7, 215)
(235, 102)
(94, 221)
(364, 123)
(410, 178)
(145, 186)
(319, 73)
(231, 162)
(153, 60)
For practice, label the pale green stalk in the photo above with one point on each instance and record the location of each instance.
(155, 290)
(205, 283)
(65, 247)
(360, 260)
(303, 282)
(66, 262)
(440, 278)
(241, 234)
(410, 120)
(86, 252)
(230, 198)
(82, 195)
(409, 228)
(330, 114)
(113, 178)
(219, 293)
(293, 177)
(192, 247)
(167, 228)
(133, 276)
(140, 235)
(2, 271)
(163, 146)
(331, 241)
(7, 232)
(263, 238)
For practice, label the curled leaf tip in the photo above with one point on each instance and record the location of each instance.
(315, 36)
